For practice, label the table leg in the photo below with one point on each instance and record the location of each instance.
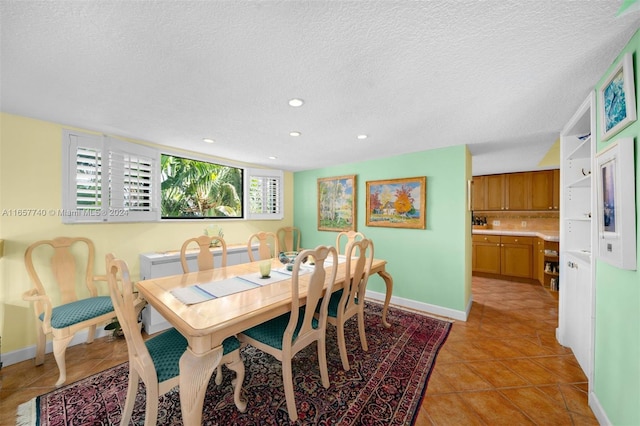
(195, 372)
(388, 281)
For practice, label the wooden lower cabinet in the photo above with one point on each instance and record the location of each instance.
(486, 254)
(511, 256)
(516, 256)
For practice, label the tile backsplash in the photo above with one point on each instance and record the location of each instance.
(534, 221)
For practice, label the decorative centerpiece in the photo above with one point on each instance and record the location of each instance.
(288, 258)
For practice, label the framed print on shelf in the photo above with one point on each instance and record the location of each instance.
(397, 203)
(617, 99)
(616, 204)
(337, 203)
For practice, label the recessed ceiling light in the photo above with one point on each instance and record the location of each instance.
(272, 157)
(362, 136)
(208, 140)
(294, 133)
(295, 102)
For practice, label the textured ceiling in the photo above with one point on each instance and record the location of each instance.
(502, 76)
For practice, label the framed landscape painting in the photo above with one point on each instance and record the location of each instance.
(397, 203)
(337, 203)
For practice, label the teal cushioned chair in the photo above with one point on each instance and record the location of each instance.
(52, 266)
(286, 335)
(157, 360)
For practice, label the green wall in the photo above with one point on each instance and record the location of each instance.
(431, 268)
(617, 330)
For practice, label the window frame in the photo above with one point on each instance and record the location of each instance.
(106, 213)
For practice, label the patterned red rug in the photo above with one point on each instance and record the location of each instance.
(384, 386)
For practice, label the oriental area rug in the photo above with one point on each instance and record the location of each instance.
(384, 386)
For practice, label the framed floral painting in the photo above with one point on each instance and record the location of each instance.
(397, 203)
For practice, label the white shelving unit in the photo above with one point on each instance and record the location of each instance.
(577, 235)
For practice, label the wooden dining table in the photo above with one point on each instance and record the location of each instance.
(206, 324)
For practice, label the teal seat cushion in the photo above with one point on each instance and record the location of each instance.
(334, 302)
(167, 348)
(271, 332)
(81, 310)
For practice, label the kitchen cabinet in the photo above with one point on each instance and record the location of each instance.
(486, 254)
(503, 255)
(478, 193)
(516, 256)
(542, 190)
(522, 191)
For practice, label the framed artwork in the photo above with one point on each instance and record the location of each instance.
(397, 203)
(616, 204)
(337, 203)
(617, 99)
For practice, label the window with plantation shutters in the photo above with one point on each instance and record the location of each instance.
(265, 194)
(108, 180)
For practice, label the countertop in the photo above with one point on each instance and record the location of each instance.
(545, 235)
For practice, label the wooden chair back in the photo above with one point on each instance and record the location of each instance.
(349, 236)
(289, 238)
(359, 258)
(64, 267)
(268, 246)
(205, 257)
(126, 304)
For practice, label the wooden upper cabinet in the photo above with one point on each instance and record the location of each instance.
(542, 190)
(494, 195)
(518, 191)
(538, 191)
(556, 189)
(478, 199)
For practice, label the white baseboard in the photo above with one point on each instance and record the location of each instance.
(14, 357)
(425, 307)
(598, 410)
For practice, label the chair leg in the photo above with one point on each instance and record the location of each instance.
(287, 381)
(151, 408)
(219, 375)
(92, 334)
(342, 346)
(130, 401)
(322, 362)
(59, 350)
(238, 366)
(363, 336)
(41, 342)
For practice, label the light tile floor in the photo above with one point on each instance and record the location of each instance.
(503, 366)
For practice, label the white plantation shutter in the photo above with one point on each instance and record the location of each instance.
(265, 191)
(108, 180)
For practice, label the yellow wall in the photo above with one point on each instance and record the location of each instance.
(30, 178)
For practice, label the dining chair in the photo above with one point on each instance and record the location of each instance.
(205, 257)
(350, 236)
(349, 301)
(57, 281)
(284, 336)
(156, 360)
(289, 238)
(267, 245)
